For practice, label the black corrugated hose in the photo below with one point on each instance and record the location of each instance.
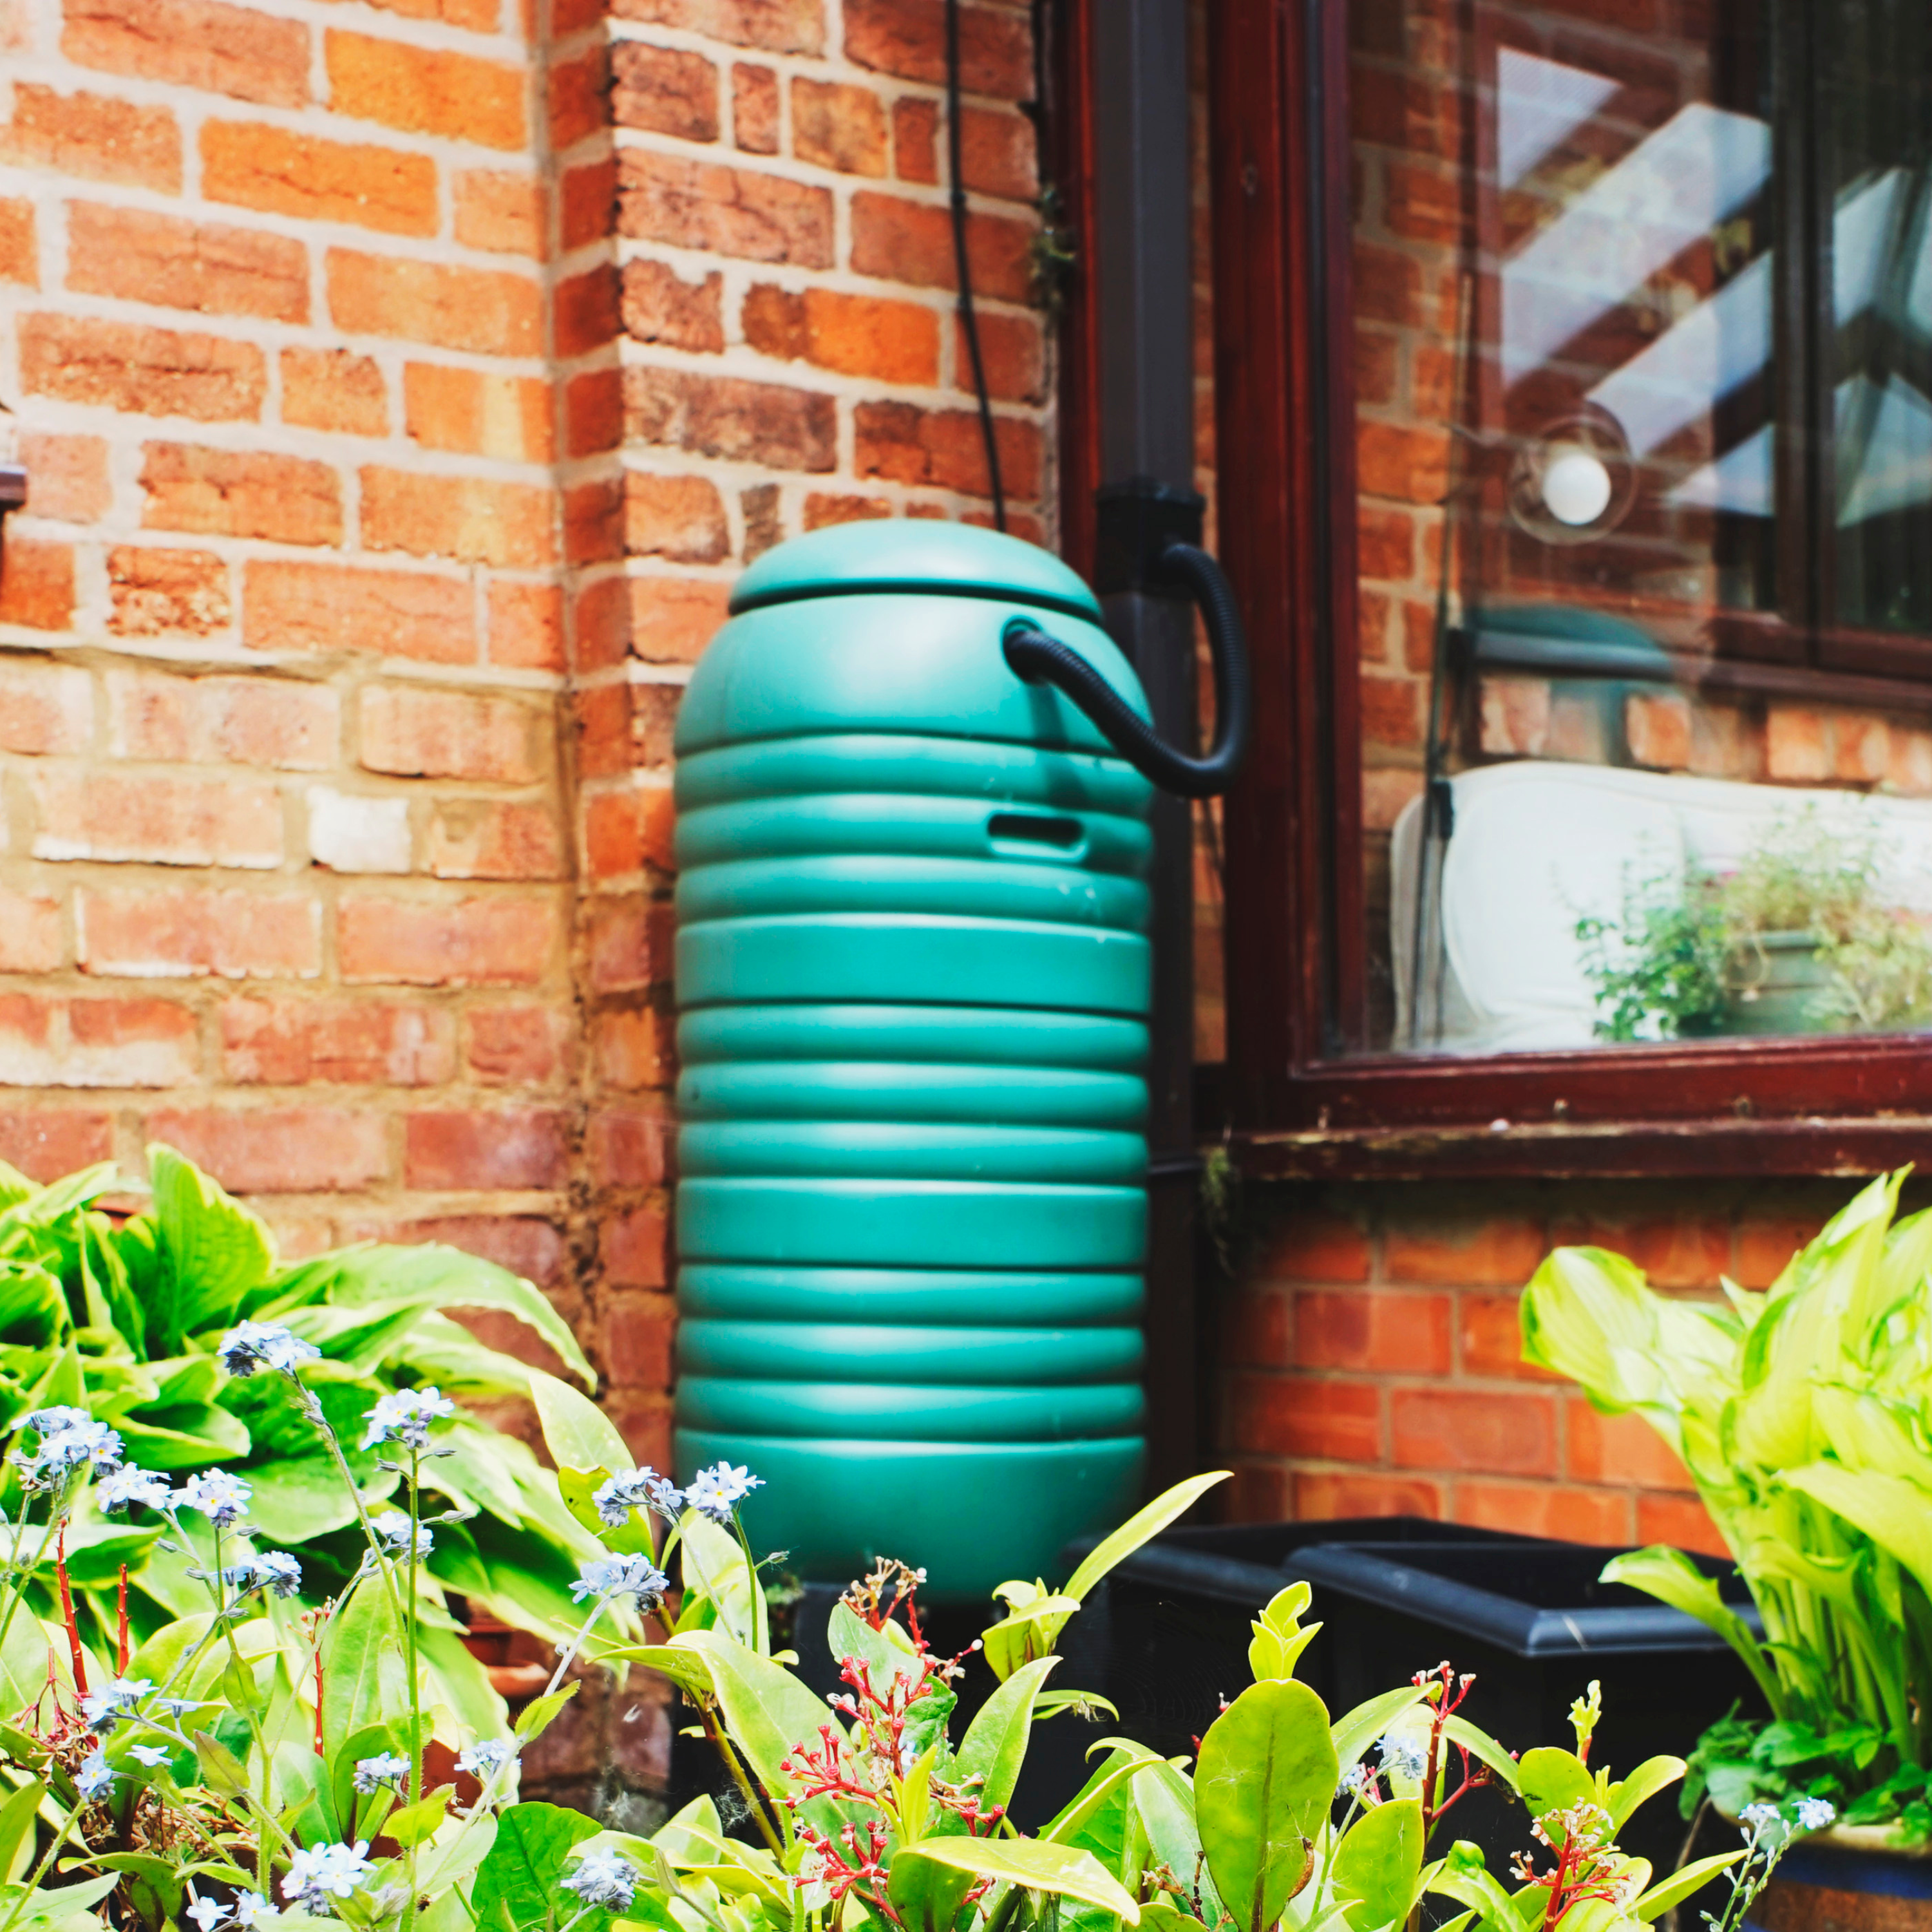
(1039, 658)
(969, 321)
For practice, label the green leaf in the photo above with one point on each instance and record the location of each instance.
(995, 1746)
(683, 1665)
(1464, 1876)
(216, 1251)
(1551, 1779)
(16, 1819)
(186, 1436)
(1279, 1639)
(1030, 1631)
(1681, 1884)
(434, 1276)
(768, 1713)
(538, 1713)
(1063, 1870)
(1480, 1745)
(1353, 1734)
(413, 1823)
(221, 1770)
(1138, 1528)
(1102, 1793)
(1653, 1775)
(632, 1538)
(297, 1498)
(1378, 1864)
(153, 1886)
(715, 1565)
(1266, 1777)
(577, 1432)
(1895, 1512)
(1164, 1798)
(1670, 1576)
(517, 1884)
(364, 1644)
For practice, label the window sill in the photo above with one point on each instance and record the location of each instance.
(1606, 1150)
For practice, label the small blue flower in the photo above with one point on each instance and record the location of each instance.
(385, 1767)
(405, 1417)
(96, 1777)
(393, 1527)
(264, 1345)
(716, 1492)
(219, 1496)
(105, 1707)
(609, 1577)
(602, 1878)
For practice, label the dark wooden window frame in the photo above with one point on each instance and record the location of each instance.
(1291, 1102)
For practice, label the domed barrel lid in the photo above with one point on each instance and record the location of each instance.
(918, 554)
(894, 626)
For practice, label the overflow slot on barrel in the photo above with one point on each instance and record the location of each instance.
(1037, 835)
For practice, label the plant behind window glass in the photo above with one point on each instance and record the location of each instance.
(1690, 947)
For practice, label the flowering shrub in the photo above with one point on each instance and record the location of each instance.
(259, 1764)
(134, 1321)
(1800, 1415)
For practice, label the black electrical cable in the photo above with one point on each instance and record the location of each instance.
(969, 321)
(1041, 659)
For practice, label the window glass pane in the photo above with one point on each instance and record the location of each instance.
(1878, 118)
(1642, 355)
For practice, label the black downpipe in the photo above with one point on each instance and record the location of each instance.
(962, 264)
(1038, 658)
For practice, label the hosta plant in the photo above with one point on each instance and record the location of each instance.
(123, 1315)
(1802, 1414)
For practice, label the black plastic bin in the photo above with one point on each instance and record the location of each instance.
(1168, 1638)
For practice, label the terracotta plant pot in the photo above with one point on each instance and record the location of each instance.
(490, 1643)
(1841, 1883)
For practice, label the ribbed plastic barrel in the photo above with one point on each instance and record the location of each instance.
(912, 978)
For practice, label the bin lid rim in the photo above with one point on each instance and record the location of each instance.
(916, 556)
(1528, 1630)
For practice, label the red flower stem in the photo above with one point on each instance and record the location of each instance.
(67, 1613)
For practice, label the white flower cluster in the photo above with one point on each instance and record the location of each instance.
(405, 1417)
(274, 1571)
(643, 1489)
(487, 1757)
(103, 1709)
(1402, 1757)
(610, 1577)
(219, 1496)
(321, 1872)
(210, 1913)
(394, 1528)
(120, 1490)
(265, 1345)
(603, 1878)
(372, 1774)
(717, 1491)
(96, 1777)
(70, 1442)
(1809, 1814)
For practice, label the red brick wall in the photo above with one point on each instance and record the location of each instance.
(401, 394)
(1372, 1362)
(285, 875)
